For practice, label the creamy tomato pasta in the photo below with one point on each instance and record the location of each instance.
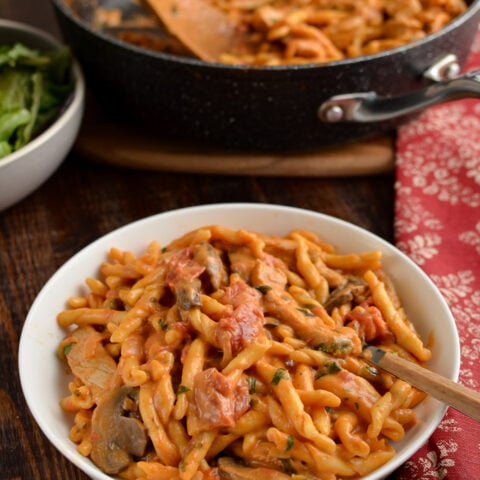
(235, 354)
(282, 32)
(319, 31)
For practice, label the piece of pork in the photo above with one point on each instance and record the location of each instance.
(339, 342)
(89, 361)
(219, 400)
(183, 278)
(242, 324)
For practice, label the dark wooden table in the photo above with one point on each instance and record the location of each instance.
(84, 200)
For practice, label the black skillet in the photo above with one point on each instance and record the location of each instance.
(266, 109)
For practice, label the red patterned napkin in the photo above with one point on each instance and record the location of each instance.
(437, 223)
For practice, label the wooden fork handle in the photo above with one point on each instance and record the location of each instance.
(457, 396)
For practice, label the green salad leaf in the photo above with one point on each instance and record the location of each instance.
(34, 87)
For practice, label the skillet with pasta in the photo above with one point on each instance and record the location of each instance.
(288, 32)
(319, 31)
(234, 354)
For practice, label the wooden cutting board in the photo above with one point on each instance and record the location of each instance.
(104, 140)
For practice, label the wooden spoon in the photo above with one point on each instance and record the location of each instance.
(459, 397)
(205, 30)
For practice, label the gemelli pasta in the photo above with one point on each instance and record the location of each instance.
(285, 32)
(319, 31)
(235, 354)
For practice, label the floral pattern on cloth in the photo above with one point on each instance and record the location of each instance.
(437, 223)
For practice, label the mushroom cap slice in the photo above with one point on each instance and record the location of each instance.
(116, 437)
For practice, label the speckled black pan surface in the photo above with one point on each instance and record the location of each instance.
(244, 108)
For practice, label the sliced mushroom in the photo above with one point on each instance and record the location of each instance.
(188, 294)
(206, 255)
(353, 290)
(116, 437)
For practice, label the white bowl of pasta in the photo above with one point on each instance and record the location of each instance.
(234, 350)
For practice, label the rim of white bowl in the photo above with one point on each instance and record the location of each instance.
(400, 458)
(75, 103)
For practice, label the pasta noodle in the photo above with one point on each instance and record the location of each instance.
(319, 31)
(280, 32)
(235, 354)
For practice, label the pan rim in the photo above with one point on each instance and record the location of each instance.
(472, 10)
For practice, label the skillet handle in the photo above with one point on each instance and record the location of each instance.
(370, 107)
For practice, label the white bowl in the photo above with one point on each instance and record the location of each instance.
(24, 170)
(43, 377)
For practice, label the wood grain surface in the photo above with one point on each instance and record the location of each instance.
(84, 200)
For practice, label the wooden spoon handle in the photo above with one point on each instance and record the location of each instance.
(459, 397)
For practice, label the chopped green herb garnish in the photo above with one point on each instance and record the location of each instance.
(333, 367)
(327, 369)
(252, 384)
(337, 346)
(290, 442)
(163, 324)
(280, 374)
(182, 389)
(263, 289)
(67, 348)
(306, 312)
